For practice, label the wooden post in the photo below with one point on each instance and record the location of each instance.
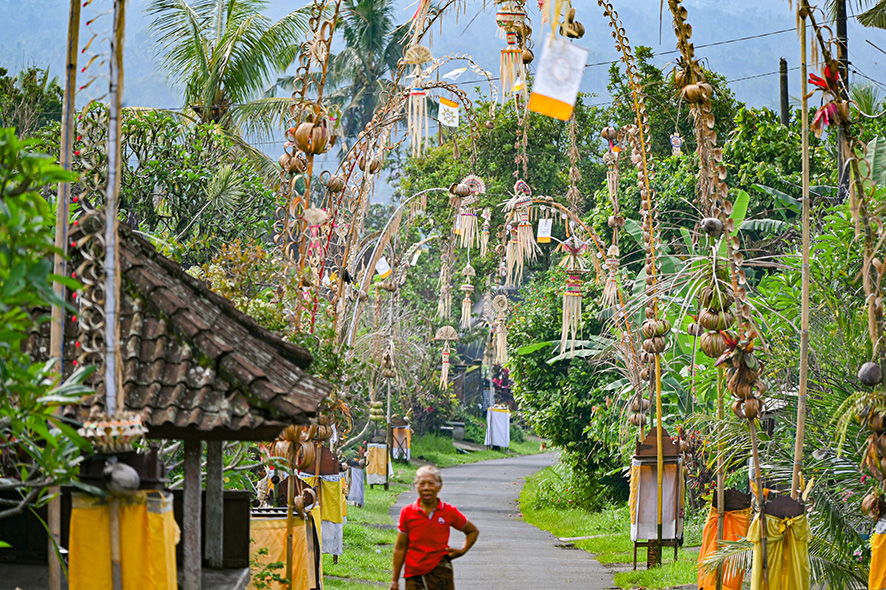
(57, 327)
(191, 536)
(783, 94)
(804, 287)
(215, 487)
(761, 502)
(114, 521)
(843, 70)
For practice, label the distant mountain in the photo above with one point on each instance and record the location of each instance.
(34, 34)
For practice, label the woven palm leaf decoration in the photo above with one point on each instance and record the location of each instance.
(417, 113)
(500, 306)
(575, 267)
(447, 334)
(511, 20)
(468, 289)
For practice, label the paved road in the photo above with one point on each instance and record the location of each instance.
(510, 554)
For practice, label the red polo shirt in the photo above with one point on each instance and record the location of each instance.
(428, 535)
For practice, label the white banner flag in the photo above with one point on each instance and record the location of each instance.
(544, 230)
(448, 113)
(383, 268)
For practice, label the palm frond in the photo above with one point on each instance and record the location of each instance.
(225, 189)
(875, 16)
(262, 118)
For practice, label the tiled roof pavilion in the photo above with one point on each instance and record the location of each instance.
(194, 367)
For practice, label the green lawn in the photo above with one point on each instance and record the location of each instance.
(614, 543)
(366, 562)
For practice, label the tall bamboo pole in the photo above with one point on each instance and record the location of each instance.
(659, 451)
(761, 502)
(62, 213)
(804, 296)
(113, 398)
(721, 496)
(113, 393)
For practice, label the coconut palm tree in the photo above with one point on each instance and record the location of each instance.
(360, 73)
(224, 53)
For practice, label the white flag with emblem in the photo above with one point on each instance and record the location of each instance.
(383, 268)
(448, 113)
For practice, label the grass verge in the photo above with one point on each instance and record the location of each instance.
(369, 534)
(611, 538)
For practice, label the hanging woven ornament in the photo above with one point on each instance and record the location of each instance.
(444, 303)
(520, 204)
(513, 260)
(469, 232)
(511, 18)
(484, 231)
(500, 305)
(446, 334)
(575, 267)
(610, 290)
(417, 112)
(466, 304)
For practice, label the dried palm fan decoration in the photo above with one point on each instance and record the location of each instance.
(417, 113)
(575, 267)
(475, 184)
(500, 305)
(466, 303)
(484, 230)
(444, 302)
(446, 334)
(511, 20)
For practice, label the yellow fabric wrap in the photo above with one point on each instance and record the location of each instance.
(735, 526)
(635, 490)
(877, 577)
(271, 533)
(331, 500)
(375, 462)
(787, 551)
(148, 536)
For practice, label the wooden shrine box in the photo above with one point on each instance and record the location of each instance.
(643, 499)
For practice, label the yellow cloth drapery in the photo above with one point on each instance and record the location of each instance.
(877, 577)
(148, 536)
(270, 533)
(735, 526)
(787, 549)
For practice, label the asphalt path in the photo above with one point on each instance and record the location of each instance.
(510, 554)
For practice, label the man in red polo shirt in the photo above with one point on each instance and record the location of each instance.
(423, 542)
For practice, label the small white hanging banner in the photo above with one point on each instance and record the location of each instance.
(448, 112)
(560, 70)
(545, 225)
(383, 268)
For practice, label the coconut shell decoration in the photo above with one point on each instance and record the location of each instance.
(312, 137)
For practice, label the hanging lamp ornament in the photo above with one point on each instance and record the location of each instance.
(417, 112)
(511, 19)
(446, 334)
(444, 303)
(468, 289)
(500, 305)
(575, 267)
